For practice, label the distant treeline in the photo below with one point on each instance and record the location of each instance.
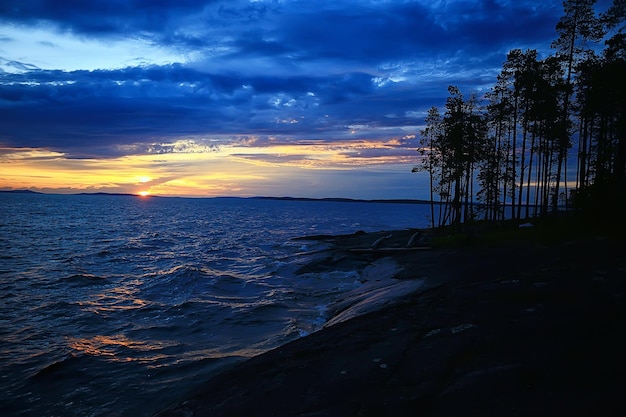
(19, 192)
(510, 149)
(344, 200)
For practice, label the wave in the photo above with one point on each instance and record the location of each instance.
(84, 279)
(261, 314)
(68, 366)
(185, 283)
(175, 285)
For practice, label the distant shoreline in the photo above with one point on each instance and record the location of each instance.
(328, 199)
(284, 198)
(340, 200)
(20, 192)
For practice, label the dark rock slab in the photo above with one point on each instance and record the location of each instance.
(512, 331)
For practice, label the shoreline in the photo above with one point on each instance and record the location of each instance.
(519, 329)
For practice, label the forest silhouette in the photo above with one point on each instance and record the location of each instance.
(510, 153)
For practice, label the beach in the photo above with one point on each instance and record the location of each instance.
(515, 329)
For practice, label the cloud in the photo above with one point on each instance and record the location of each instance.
(99, 17)
(78, 109)
(108, 79)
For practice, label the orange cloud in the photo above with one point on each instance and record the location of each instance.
(188, 169)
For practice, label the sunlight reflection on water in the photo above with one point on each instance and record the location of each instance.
(113, 347)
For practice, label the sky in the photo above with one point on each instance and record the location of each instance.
(296, 98)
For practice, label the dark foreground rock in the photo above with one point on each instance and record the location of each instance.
(521, 330)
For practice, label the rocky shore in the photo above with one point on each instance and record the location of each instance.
(516, 329)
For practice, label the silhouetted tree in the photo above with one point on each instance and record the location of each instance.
(457, 146)
(578, 25)
(602, 87)
(430, 137)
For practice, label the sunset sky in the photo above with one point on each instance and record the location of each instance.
(295, 98)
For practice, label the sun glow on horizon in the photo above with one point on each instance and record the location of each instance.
(232, 170)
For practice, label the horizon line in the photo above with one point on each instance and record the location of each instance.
(286, 198)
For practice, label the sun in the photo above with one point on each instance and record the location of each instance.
(143, 193)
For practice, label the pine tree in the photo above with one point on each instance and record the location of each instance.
(578, 25)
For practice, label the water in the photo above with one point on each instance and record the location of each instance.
(118, 305)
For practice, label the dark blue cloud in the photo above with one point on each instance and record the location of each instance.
(293, 68)
(125, 106)
(99, 16)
